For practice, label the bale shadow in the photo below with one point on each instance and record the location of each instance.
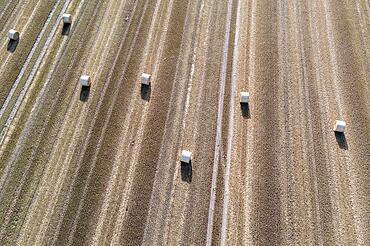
(186, 172)
(244, 107)
(66, 29)
(12, 45)
(146, 91)
(341, 140)
(85, 93)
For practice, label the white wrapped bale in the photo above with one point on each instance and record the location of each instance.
(13, 34)
(67, 18)
(145, 79)
(85, 80)
(339, 126)
(244, 97)
(186, 156)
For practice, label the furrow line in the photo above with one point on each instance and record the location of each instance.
(18, 149)
(15, 108)
(22, 182)
(34, 70)
(140, 132)
(66, 164)
(4, 10)
(112, 179)
(69, 193)
(41, 95)
(22, 7)
(334, 206)
(333, 58)
(3, 63)
(218, 143)
(287, 159)
(182, 109)
(230, 134)
(250, 136)
(309, 145)
(78, 131)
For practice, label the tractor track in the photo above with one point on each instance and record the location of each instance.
(54, 155)
(101, 165)
(26, 172)
(11, 6)
(8, 56)
(33, 72)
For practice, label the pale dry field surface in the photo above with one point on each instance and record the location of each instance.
(100, 166)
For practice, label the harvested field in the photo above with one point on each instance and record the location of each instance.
(100, 165)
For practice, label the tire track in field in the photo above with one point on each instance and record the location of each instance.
(27, 168)
(15, 59)
(266, 226)
(77, 132)
(33, 72)
(102, 137)
(321, 226)
(333, 58)
(102, 216)
(185, 197)
(322, 229)
(35, 110)
(12, 7)
(181, 76)
(71, 147)
(297, 209)
(287, 160)
(76, 135)
(338, 178)
(143, 149)
(113, 104)
(363, 34)
(176, 115)
(300, 186)
(220, 111)
(104, 223)
(21, 31)
(41, 95)
(299, 225)
(51, 72)
(230, 133)
(195, 205)
(23, 69)
(326, 199)
(4, 177)
(341, 228)
(67, 200)
(173, 213)
(237, 228)
(122, 183)
(350, 157)
(307, 142)
(250, 160)
(319, 172)
(17, 151)
(238, 184)
(54, 172)
(19, 5)
(130, 184)
(22, 182)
